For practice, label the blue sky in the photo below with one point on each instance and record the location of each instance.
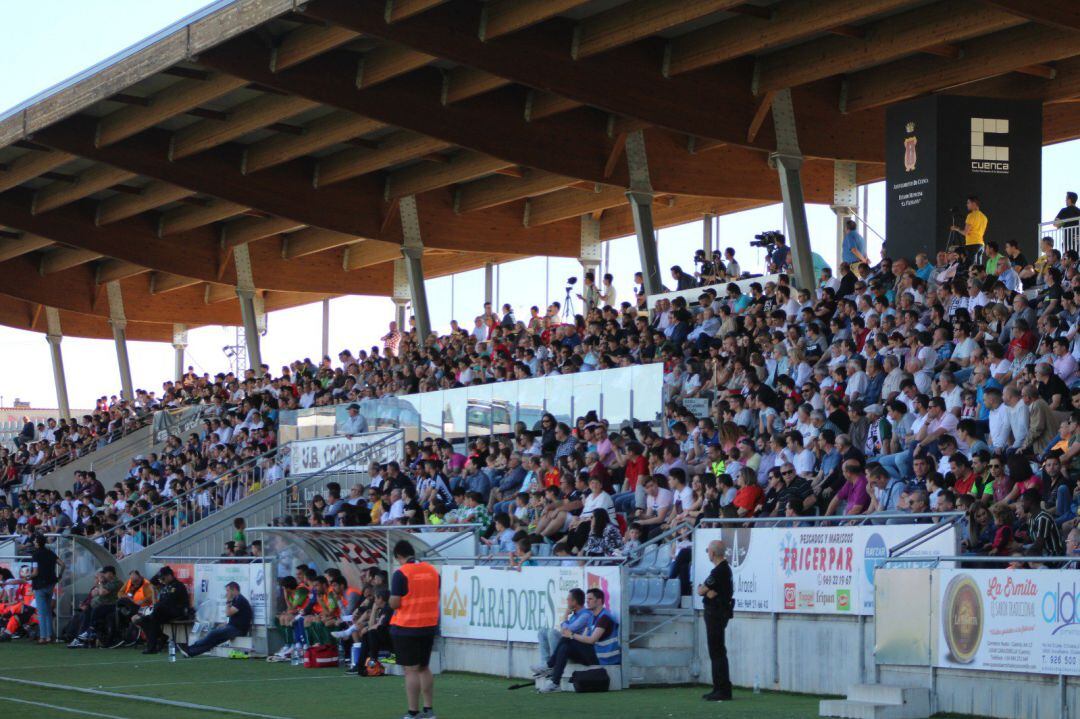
(48, 41)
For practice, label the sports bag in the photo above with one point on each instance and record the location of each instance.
(591, 680)
(321, 656)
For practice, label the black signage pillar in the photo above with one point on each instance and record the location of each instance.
(942, 148)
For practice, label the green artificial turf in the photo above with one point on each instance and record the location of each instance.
(284, 691)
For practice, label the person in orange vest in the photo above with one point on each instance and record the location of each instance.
(414, 597)
(136, 595)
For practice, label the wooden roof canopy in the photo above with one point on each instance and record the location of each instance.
(294, 128)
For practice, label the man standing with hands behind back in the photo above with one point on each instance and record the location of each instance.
(718, 593)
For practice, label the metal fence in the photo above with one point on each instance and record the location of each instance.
(1065, 237)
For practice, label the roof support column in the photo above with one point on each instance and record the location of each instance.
(401, 295)
(326, 328)
(707, 235)
(489, 282)
(245, 291)
(412, 253)
(845, 203)
(592, 249)
(54, 337)
(118, 322)
(179, 343)
(640, 196)
(788, 160)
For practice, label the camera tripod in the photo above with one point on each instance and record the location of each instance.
(568, 304)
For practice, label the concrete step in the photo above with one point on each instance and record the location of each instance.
(849, 709)
(663, 675)
(614, 674)
(661, 657)
(918, 697)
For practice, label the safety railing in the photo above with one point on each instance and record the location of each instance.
(948, 519)
(1066, 236)
(182, 510)
(855, 519)
(1058, 562)
(262, 507)
(128, 427)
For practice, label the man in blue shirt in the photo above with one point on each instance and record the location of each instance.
(240, 615)
(854, 246)
(577, 620)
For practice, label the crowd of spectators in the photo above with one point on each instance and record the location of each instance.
(946, 383)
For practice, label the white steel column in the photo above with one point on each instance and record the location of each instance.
(412, 254)
(788, 160)
(118, 321)
(179, 343)
(245, 291)
(54, 337)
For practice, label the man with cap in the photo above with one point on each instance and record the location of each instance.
(355, 423)
(172, 603)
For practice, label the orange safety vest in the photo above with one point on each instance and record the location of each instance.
(420, 605)
(143, 596)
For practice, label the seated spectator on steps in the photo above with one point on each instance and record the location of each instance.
(371, 635)
(576, 618)
(136, 596)
(240, 615)
(598, 644)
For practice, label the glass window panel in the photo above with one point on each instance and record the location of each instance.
(648, 392)
(481, 412)
(504, 397)
(431, 414)
(586, 393)
(615, 386)
(559, 390)
(531, 401)
(455, 405)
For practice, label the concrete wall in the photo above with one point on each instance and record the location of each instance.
(812, 653)
(1007, 695)
(816, 654)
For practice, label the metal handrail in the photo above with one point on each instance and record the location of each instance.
(140, 421)
(182, 558)
(158, 509)
(924, 536)
(859, 519)
(291, 483)
(613, 561)
(983, 559)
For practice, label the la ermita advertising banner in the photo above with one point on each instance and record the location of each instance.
(1008, 621)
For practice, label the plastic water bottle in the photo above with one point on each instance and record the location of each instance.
(296, 650)
(757, 683)
(172, 651)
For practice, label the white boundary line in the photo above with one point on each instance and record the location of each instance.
(137, 697)
(60, 708)
(229, 681)
(83, 664)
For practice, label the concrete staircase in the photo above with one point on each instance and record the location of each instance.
(878, 701)
(662, 647)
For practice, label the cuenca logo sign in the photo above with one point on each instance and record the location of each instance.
(988, 159)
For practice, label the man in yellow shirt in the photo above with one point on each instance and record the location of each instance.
(974, 226)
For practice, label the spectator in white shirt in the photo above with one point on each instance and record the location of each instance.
(999, 419)
(1018, 416)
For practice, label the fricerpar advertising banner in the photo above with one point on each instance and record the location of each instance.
(504, 604)
(312, 455)
(1008, 620)
(811, 570)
